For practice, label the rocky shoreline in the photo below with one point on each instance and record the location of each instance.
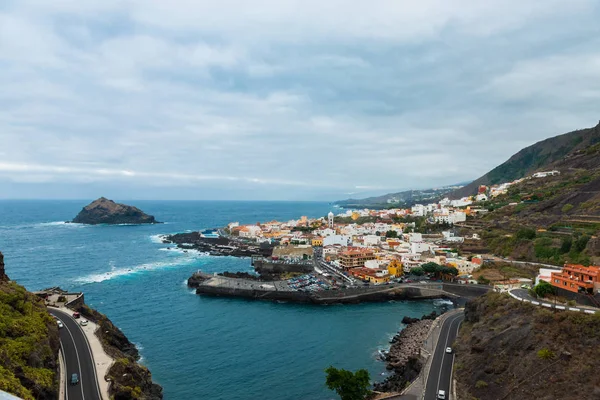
(128, 378)
(220, 246)
(404, 357)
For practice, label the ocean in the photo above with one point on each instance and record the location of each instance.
(197, 347)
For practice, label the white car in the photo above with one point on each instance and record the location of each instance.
(59, 323)
(448, 349)
(441, 394)
(83, 322)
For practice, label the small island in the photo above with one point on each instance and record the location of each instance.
(105, 211)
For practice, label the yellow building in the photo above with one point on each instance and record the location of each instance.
(395, 268)
(355, 216)
(317, 242)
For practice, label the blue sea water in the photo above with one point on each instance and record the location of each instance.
(196, 347)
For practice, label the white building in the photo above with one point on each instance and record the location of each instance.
(419, 247)
(342, 240)
(376, 264)
(415, 237)
(330, 220)
(449, 237)
(545, 174)
(371, 240)
(418, 210)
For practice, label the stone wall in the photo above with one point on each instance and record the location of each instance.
(78, 302)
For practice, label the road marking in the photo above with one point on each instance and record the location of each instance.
(91, 353)
(444, 353)
(76, 355)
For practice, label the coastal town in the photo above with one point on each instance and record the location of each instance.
(370, 248)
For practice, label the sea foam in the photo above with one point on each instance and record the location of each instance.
(126, 271)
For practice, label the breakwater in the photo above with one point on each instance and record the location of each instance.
(216, 285)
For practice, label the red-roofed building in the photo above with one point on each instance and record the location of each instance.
(577, 278)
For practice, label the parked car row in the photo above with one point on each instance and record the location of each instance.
(308, 283)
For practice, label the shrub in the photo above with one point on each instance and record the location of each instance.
(61, 299)
(526, 233)
(543, 288)
(480, 384)
(566, 208)
(545, 354)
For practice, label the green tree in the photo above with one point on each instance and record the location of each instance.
(581, 243)
(431, 268)
(566, 244)
(418, 271)
(391, 234)
(347, 384)
(526, 233)
(543, 288)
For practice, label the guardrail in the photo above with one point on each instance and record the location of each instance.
(548, 305)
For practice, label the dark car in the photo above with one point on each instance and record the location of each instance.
(76, 315)
(74, 379)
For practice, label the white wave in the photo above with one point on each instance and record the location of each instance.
(177, 250)
(56, 223)
(157, 238)
(119, 272)
(442, 302)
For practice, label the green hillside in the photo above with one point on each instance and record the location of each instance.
(28, 345)
(538, 156)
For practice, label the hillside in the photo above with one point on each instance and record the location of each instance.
(554, 219)
(28, 344)
(507, 349)
(400, 199)
(538, 156)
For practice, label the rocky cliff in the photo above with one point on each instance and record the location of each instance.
(512, 350)
(104, 211)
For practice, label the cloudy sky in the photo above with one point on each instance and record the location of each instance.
(281, 99)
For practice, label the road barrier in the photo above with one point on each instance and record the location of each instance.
(548, 305)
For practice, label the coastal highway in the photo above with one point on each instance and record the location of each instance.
(78, 359)
(441, 365)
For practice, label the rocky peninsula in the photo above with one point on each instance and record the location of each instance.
(105, 211)
(403, 357)
(219, 246)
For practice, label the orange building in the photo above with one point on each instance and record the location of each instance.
(370, 275)
(356, 258)
(576, 278)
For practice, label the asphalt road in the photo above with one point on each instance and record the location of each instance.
(78, 360)
(441, 365)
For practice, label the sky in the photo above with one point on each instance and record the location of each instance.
(281, 99)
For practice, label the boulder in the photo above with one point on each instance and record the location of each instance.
(104, 211)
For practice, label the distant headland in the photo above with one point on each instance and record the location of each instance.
(105, 211)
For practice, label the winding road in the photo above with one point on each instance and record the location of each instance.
(440, 373)
(78, 359)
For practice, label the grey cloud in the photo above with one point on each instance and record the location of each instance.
(302, 99)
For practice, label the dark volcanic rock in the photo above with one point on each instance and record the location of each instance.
(3, 277)
(220, 246)
(104, 211)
